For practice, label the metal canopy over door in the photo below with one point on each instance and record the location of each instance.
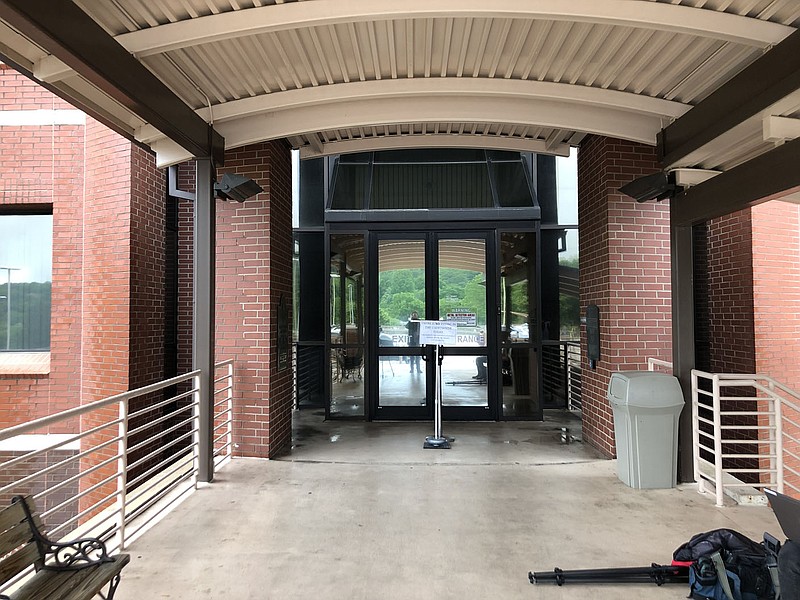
(434, 276)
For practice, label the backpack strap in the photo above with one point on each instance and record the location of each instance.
(772, 547)
(722, 575)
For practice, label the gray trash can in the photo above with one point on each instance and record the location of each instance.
(646, 407)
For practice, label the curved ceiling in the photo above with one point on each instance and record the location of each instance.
(336, 76)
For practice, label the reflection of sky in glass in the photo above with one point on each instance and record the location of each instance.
(26, 243)
(295, 188)
(567, 189)
(572, 246)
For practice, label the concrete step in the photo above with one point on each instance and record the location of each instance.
(742, 494)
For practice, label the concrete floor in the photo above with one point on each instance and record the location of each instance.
(362, 511)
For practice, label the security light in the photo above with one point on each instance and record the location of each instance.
(657, 186)
(236, 187)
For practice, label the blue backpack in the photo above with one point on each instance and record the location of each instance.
(705, 583)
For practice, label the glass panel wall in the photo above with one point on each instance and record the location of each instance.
(460, 384)
(519, 366)
(346, 317)
(26, 278)
(462, 288)
(560, 288)
(401, 304)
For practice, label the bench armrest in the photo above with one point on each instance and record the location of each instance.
(64, 556)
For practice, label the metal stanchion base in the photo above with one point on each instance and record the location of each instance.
(436, 443)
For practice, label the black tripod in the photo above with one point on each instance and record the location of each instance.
(658, 574)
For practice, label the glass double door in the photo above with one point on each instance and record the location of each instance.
(433, 276)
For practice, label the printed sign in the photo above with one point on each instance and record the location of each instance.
(462, 319)
(438, 333)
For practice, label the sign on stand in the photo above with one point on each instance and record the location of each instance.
(438, 334)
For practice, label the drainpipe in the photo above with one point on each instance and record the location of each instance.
(203, 311)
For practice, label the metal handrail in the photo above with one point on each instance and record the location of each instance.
(73, 479)
(36, 424)
(652, 363)
(755, 448)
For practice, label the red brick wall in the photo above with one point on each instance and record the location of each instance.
(776, 290)
(43, 165)
(624, 270)
(108, 259)
(730, 293)
(186, 182)
(254, 267)
(776, 306)
(107, 263)
(51, 501)
(147, 287)
(106, 288)
(148, 225)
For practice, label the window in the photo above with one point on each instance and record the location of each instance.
(446, 178)
(26, 265)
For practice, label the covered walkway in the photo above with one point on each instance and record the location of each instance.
(362, 511)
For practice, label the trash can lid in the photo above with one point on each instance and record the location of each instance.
(645, 388)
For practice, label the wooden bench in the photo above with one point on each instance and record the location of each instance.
(74, 570)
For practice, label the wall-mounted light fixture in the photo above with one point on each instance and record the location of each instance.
(657, 186)
(236, 187)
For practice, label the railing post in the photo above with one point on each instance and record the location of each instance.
(562, 347)
(230, 410)
(718, 487)
(122, 473)
(696, 431)
(778, 433)
(197, 405)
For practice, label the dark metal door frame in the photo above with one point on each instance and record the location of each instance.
(375, 351)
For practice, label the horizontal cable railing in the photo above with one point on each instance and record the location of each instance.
(574, 377)
(746, 433)
(561, 375)
(110, 468)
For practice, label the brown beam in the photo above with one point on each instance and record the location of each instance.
(763, 178)
(61, 28)
(772, 77)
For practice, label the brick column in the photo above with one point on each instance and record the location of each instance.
(624, 270)
(254, 271)
(42, 165)
(776, 307)
(123, 279)
(776, 290)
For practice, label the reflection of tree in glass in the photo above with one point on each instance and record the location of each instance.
(569, 306)
(30, 316)
(351, 300)
(402, 291)
(468, 292)
(519, 302)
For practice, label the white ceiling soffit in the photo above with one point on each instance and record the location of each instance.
(346, 76)
(319, 13)
(70, 85)
(752, 137)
